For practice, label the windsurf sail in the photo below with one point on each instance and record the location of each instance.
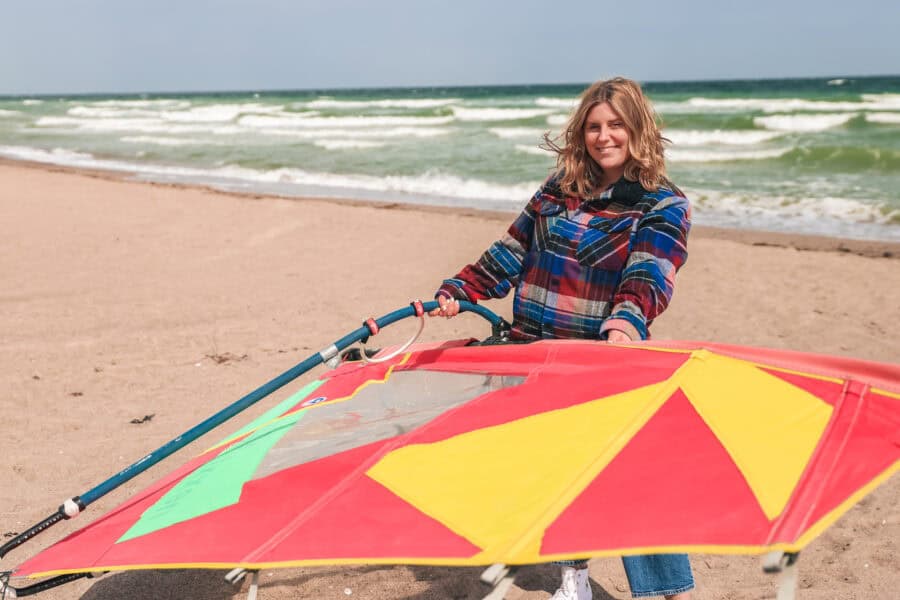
(459, 454)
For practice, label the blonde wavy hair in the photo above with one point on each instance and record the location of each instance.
(646, 163)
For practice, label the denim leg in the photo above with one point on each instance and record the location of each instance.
(658, 574)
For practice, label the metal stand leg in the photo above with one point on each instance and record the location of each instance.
(501, 577)
(785, 564)
(254, 586)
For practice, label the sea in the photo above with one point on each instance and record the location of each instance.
(818, 156)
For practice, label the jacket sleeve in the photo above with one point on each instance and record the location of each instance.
(659, 249)
(497, 271)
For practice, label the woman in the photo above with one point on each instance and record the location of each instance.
(594, 256)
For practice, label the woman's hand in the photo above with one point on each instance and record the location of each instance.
(448, 308)
(617, 337)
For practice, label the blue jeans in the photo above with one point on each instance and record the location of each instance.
(652, 574)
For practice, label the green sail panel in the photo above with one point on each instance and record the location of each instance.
(218, 483)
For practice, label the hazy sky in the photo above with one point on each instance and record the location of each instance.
(76, 46)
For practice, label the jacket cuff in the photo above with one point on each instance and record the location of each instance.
(452, 292)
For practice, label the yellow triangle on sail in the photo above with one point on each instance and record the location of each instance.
(769, 427)
(501, 486)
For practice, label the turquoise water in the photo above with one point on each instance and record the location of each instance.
(802, 155)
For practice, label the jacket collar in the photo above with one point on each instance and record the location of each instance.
(623, 191)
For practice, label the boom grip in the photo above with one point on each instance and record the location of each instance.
(31, 532)
(47, 584)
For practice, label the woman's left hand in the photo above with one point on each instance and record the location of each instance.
(617, 337)
(446, 308)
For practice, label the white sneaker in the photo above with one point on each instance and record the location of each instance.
(575, 585)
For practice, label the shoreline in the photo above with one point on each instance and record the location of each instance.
(803, 242)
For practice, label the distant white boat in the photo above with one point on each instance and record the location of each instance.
(837, 81)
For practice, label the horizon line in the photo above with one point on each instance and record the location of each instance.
(233, 91)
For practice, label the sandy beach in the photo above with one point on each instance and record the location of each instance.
(123, 300)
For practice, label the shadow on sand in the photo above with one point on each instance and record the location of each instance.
(443, 583)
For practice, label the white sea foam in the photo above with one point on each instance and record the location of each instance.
(668, 108)
(169, 141)
(219, 113)
(32, 102)
(429, 184)
(874, 102)
(215, 113)
(777, 105)
(103, 112)
(396, 132)
(535, 150)
(142, 125)
(691, 156)
(498, 114)
(294, 120)
(882, 101)
(160, 104)
(437, 184)
(557, 120)
(222, 129)
(729, 137)
(883, 117)
(101, 124)
(9, 113)
(517, 132)
(434, 184)
(59, 156)
(803, 123)
(348, 144)
(568, 104)
(774, 208)
(415, 103)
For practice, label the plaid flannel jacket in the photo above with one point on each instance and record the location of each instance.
(583, 267)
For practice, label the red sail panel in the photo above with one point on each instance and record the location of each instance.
(674, 471)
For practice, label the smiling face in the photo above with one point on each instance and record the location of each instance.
(606, 140)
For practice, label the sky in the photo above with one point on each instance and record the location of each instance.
(128, 46)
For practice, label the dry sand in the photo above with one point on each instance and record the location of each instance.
(124, 299)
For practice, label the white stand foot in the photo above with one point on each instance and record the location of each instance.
(235, 576)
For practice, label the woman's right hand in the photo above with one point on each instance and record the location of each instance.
(447, 308)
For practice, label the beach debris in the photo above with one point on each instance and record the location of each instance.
(10, 534)
(348, 591)
(225, 357)
(98, 369)
(36, 377)
(144, 419)
(76, 394)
